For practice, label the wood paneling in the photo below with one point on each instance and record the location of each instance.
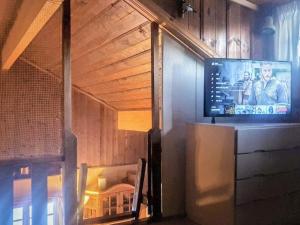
(234, 31)
(209, 23)
(95, 77)
(221, 27)
(224, 26)
(110, 41)
(31, 119)
(239, 31)
(246, 14)
(128, 83)
(214, 25)
(100, 143)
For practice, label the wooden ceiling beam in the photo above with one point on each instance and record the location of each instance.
(31, 18)
(246, 4)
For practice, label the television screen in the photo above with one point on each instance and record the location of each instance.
(247, 87)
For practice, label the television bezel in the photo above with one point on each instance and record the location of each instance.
(267, 117)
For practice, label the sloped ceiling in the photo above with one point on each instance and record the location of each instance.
(111, 58)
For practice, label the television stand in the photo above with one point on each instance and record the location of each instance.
(213, 120)
(241, 173)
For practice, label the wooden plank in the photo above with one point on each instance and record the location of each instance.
(133, 82)
(109, 129)
(115, 135)
(234, 31)
(209, 23)
(245, 33)
(95, 77)
(70, 143)
(50, 35)
(124, 72)
(132, 104)
(221, 42)
(83, 171)
(131, 38)
(102, 152)
(6, 195)
(70, 180)
(108, 59)
(120, 16)
(39, 194)
(154, 13)
(140, 93)
(155, 134)
(121, 146)
(246, 4)
(194, 19)
(93, 132)
(80, 125)
(83, 12)
(31, 18)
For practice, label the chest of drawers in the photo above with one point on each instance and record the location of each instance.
(243, 174)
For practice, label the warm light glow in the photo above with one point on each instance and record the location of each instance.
(92, 192)
(102, 183)
(86, 199)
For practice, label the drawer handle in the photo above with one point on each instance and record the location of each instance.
(260, 150)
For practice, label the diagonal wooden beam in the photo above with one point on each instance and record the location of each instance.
(31, 18)
(246, 4)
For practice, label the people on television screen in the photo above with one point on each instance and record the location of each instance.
(268, 90)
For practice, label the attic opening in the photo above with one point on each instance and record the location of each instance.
(111, 110)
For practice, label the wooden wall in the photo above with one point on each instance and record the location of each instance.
(223, 25)
(100, 143)
(30, 122)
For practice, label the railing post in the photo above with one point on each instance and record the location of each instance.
(69, 140)
(6, 195)
(81, 191)
(39, 194)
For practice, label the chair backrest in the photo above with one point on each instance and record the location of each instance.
(138, 190)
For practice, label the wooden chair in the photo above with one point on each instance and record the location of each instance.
(136, 205)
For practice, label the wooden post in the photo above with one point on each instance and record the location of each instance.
(39, 194)
(70, 143)
(6, 195)
(155, 134)
(81, 191)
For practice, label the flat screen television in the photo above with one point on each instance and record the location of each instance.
(238, 87)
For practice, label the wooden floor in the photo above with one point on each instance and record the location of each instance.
(181, 221)
(169, 221)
